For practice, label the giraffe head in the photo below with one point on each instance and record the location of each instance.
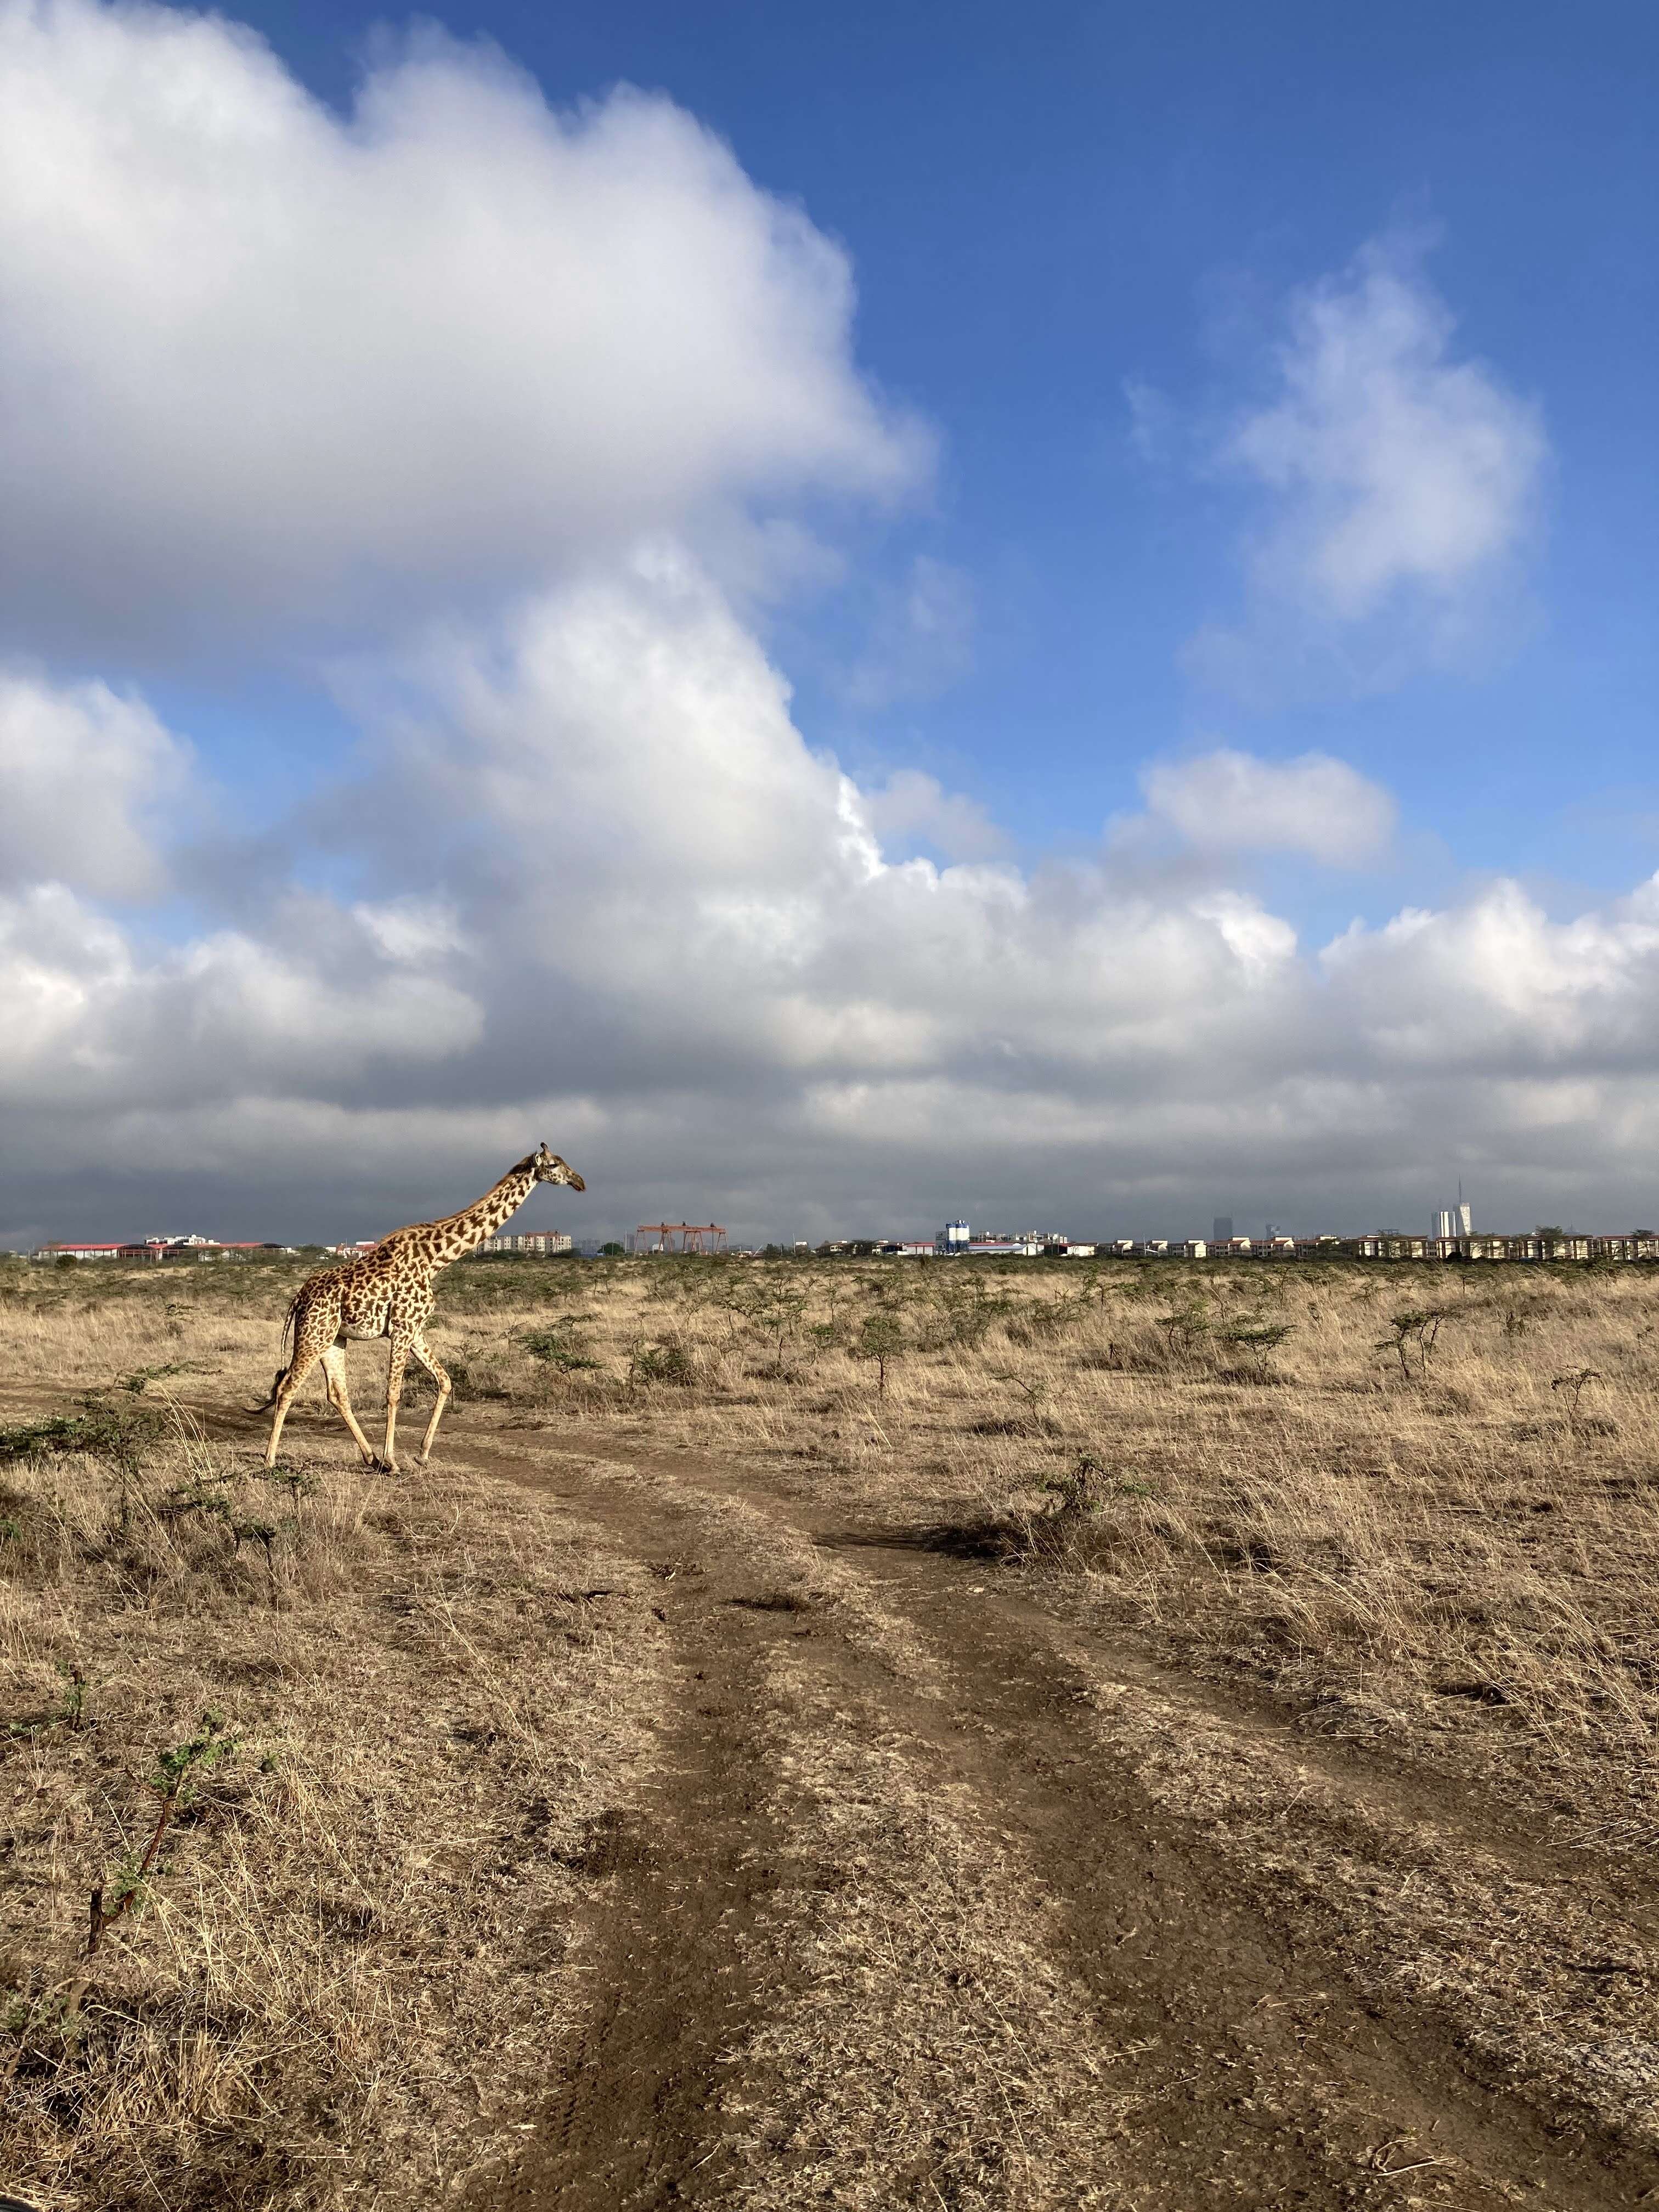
(550, 1168)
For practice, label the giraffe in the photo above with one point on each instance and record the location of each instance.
(388, 1292)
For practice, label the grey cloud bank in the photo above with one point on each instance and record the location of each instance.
(670, 939)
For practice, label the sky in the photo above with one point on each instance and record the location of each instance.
(851, 614)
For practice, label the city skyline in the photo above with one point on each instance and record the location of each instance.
(958, 1232)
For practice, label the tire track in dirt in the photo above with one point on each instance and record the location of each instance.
(635, 2121)
(1264, 2073)
(1170, 1931)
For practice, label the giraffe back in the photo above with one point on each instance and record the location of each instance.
(388, 1288)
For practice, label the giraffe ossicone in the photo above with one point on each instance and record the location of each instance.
(389, 1292)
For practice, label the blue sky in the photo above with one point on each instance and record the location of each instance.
(1188, 474)
(1043, 206)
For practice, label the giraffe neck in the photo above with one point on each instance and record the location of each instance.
(463, 1232)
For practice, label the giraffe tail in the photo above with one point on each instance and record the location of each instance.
(288, 1357)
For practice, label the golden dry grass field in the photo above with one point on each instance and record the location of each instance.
(1133, 1737)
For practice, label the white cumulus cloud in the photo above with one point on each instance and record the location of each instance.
(1498, 984)
(1228, 801)
(668, 928)
(1399, 486)
(260, 362)
(912, 806)
(84, 774)
(97, 1020)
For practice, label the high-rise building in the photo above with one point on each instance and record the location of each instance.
(1221, 1229)
(1465, 1218)
(1442, 1223)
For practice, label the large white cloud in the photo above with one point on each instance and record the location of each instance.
(668, 932)
(1228, 801)
(98, 1020)
(912, 806)
(260, 362)
(1399, 490)
(654, 837)
(83, 774)
(1498, 984)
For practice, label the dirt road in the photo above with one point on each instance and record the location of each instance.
(936, 1898)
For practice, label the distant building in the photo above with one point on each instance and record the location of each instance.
(1221, 1229)
(156, 1247)
(539, 1243)
(109, 1251)
(954, 1236)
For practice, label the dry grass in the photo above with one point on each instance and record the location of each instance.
(1453, 1553)
(355, 1960)
(1450, 1553)
(931, 2052)
(350, 1967)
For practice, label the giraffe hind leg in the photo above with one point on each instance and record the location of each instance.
(312, 1338)
(334, 1377)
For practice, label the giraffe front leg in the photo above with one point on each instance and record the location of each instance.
(394, 1391)
(422, 1351)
